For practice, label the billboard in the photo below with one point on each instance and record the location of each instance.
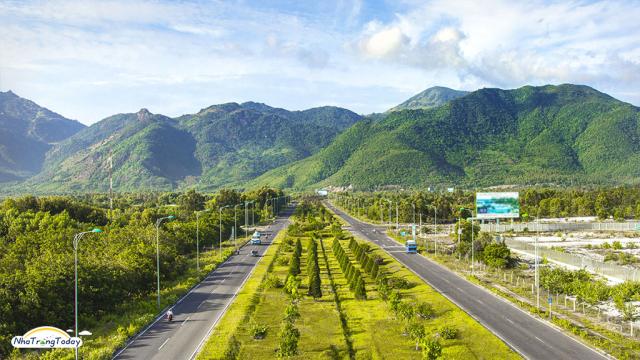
(497, 205)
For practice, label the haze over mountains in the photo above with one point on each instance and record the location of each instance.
(549, 134)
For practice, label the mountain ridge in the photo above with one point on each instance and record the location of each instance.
(546, 134)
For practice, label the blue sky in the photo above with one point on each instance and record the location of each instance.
(91, 59)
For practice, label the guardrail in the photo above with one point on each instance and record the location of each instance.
(552, 227)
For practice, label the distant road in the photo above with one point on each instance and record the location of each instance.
(527, 335)
(197, 312)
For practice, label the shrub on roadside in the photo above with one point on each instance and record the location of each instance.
(257, 330)
(273, 282)
(449, 333)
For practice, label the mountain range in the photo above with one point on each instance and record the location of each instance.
(530, 135)
(220, 145)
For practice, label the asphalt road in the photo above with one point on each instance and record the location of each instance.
(530, 337)
(198, 311)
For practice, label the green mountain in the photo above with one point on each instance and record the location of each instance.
(432, 97)
(27, 132)
(221, 145)
(549, 134)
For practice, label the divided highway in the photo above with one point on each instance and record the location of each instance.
(527, 335)
(198, 312)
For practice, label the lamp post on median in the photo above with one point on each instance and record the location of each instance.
(76, 241)
(220, 228)
(158, 222)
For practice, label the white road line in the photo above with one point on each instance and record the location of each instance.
(509, 320)
(538, 339)
(185, 321)
(163, 344)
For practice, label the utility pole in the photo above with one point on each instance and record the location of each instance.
(537, 277)
(397, 221)
(110, 181)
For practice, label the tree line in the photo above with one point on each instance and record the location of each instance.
(618, 203)
(116, 266)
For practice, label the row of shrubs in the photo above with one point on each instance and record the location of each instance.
(370, 265)
(313, 270)
(351, 273)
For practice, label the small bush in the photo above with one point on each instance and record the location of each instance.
(258, 331)
(273, 282)
(431, 348)
(282, 261)
(449, 333)
(399, 283)
(405, 311)
(424, 310)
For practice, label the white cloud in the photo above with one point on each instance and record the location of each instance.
(90, 59)
(384, 43)
(508, 43)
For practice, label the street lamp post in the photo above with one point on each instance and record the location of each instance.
(220, 228)
(76, 241)
(435, 227)
(390, 204)
(414, 213)
(198, 237)
(460, 231)
(235, 225)
(536, 265)
(397, 220)
(158, 222)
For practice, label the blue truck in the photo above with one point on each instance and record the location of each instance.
(412, 247)
(255, 238)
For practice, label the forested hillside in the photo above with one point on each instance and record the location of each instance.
(220, 145)
(532, 135)
(27, 131)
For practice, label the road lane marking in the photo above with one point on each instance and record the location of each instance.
(509, 320)
(538, 339)
(164, 343)
(185, 321)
